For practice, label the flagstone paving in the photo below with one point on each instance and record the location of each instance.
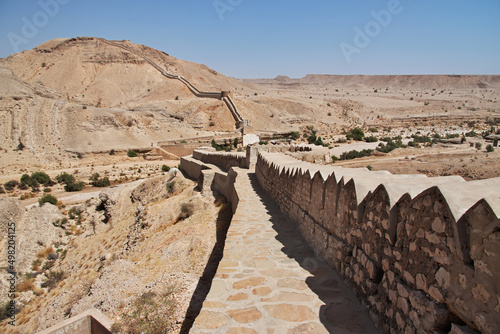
(269, 280)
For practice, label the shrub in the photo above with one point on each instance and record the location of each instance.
(41, 177)
(165, 168)
(236, 142)
(7, 310)
(26, 285)
(371, 139)
(187, 210)
(295, 135)
(47, 198)
(356, 134)
(74, 213)
(99, 182)
(216, 146)
(26, 179)
(170, 187)
(112, 152)
(20, 146)
(373, 130)
(65, 178)
(334, 158)
(355, 154)
(54, 277)
(313, 139)
(10, 185)
(263, 142)
(26, 196)
(478, 146)
(211, 123)
(490, 148)
(132, 154)
(390, 146)
(74, 186)
(61, 222)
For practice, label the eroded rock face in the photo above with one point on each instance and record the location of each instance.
(141, 247)
(36, 231)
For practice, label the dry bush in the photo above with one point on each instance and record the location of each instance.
(150, 313)
(35, 266)
(187, 210)
(44, 253)
(54, 277)
(26, 285)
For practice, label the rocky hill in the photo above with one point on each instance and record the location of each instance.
(84, 95)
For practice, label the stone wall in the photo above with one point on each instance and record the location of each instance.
(222, 160)
(212, 178)
(421, 253)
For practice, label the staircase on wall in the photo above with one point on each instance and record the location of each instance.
(239, 121)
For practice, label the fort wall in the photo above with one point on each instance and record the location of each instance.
(421, 253)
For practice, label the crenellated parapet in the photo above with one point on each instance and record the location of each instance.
(422, 253)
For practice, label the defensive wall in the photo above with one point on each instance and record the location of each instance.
(223, 95)
(421, 253)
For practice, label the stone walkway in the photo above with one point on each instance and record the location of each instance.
(269, 280)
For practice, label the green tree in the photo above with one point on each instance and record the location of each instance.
(132, 154)
(47, 198)
(65, 178)
(356, 134)
(295, 135)
(41, 177)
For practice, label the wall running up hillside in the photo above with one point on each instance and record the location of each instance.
(240, 122)
(422, 253)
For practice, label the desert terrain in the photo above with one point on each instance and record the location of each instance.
(80, 106)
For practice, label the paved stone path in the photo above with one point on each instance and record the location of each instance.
(269, 280)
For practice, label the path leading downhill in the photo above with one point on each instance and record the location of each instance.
(269, 280)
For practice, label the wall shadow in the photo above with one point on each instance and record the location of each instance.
(342, 312)
(203, 287)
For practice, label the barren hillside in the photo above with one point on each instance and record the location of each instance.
(82, 95)
(149, 241)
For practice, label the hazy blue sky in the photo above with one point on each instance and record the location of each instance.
(265, 38)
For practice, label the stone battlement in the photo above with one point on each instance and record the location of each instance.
(422, 253)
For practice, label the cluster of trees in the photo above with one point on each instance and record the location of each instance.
(70, 183)
(33, 181)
